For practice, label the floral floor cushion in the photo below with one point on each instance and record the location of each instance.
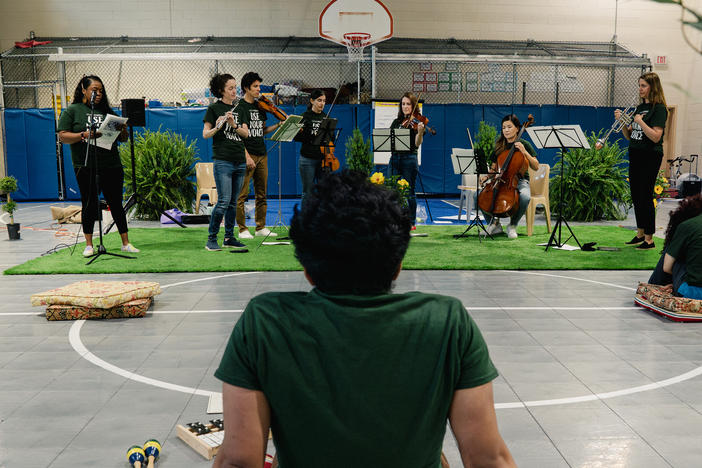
(679, 309)
(131, 309)
(97, 294)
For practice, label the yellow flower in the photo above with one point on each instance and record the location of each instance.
(665, 181)
(655, 203)
(378, 178)
(657, 189)
(403, 183)
(627, 179)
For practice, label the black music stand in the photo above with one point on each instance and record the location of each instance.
(133, 109)
(468, 163)
(92, 143)
(563, 137)
(397, 140)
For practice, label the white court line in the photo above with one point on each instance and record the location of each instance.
(77, 344)
(553, 308)
(210, 278)
(570, 277)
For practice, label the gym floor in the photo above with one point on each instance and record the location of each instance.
(586, 378)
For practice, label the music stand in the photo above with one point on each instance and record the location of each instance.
(465, 161)
(285, 133)
(397, 140)
(563, 137)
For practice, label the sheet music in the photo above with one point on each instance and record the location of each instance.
(110, 129)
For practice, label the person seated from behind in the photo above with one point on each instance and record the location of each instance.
(350, 369)
(680, 265)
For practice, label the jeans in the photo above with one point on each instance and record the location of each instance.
(228, 178)
(524, 199)
(405, 165)
(310, 170)
(259, 174)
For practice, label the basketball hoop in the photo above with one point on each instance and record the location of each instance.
(355, 42)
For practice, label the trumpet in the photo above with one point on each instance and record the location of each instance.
(624, 119)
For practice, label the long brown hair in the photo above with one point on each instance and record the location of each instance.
(502, 143)
(413, 101)
(655, 93)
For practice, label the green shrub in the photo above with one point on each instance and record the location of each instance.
(358, 153)
(8, 185)
(594, 183)
(165, 172)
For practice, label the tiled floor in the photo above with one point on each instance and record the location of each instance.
(586, 379)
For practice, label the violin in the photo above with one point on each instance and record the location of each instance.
(265, 104)
(500, 196)
(415, 119)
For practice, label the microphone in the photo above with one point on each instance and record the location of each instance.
(92, 97)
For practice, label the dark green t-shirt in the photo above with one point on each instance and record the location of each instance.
(527, 146)
(226, 143)
(255, 118)
(686, 246)
(310, 127)
(75, 119)
(653, 118)
(369, 377)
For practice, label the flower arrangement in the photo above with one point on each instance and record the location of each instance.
(659, 188)
(395, 183)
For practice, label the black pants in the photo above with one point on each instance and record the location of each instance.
(111, 181)
(643, 170)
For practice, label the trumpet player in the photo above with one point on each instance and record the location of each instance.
(645, 135)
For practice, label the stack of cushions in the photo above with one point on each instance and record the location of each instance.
(97, 300)
(679, 309)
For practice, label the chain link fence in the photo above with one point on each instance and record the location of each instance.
(182, 78)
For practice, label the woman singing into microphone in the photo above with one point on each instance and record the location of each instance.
(74, 128)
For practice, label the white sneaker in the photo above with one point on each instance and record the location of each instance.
(129, 248)
(493, 228)
(245, 234)
(88, 251)
(512, 231)
(266, 232)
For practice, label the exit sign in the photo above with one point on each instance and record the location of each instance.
(661, 60)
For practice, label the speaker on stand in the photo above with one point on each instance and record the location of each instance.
(134, 110)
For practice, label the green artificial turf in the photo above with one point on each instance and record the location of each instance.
(179, 250)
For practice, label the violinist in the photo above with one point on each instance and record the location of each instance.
(508, 139)
(405, 164)
(310, 164)
(253, 120)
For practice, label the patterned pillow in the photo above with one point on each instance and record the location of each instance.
(97, 294)
(654, 298)
(131, 309)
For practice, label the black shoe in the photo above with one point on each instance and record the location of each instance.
(232, 243)
(635, 240)
(646, 245)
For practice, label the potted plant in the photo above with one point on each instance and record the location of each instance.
(8, 185)
(358, 153)
(485, 142)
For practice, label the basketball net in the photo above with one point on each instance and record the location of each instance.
(355, 43)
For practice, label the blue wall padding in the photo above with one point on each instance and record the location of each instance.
(31, 154)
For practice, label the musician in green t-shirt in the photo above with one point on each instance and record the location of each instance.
(349, 369)
(645, 155)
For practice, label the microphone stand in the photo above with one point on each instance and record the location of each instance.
(101, 250)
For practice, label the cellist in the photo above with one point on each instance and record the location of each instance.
(507, 139)
(405, 164)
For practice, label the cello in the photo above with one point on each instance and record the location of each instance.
(329, 163)
(500, 196)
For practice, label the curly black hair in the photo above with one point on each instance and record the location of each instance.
(350, 235)
(249, 78)
(688, 208)
(218, 82)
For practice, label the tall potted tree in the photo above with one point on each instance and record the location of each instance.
(7, 186)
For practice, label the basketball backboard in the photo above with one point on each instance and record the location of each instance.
(355, 23)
